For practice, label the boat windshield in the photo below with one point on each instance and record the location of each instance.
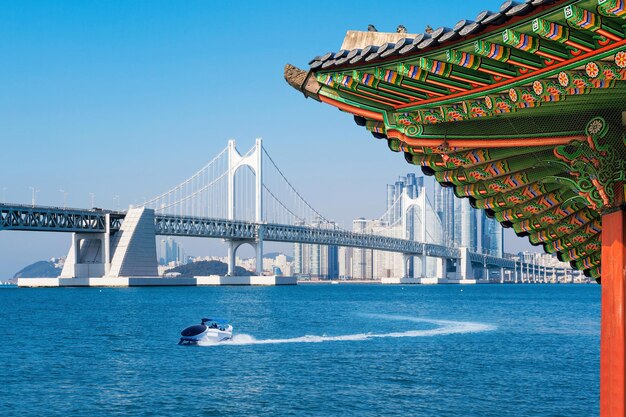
(215, 323)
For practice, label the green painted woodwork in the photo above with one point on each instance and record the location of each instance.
(550, 30)
(612, 8)
(597, 165)
(582, 18)
(463, 59)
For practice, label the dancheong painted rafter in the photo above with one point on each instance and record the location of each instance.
(518, 110)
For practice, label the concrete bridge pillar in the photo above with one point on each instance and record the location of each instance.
(107, 244)
(134, 246)
(85, 258)
(131, 252)
(233, 246)
(465, 270)
(405, 265)
(232, 251)
(259, 252)
(442, 267)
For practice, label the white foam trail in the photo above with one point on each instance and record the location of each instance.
(445, 327)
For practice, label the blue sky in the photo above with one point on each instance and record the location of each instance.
(129, 97)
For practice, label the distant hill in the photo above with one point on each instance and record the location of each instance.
(41, 269)
(273, 255)
(205, 268)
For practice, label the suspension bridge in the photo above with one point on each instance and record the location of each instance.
(245, 199)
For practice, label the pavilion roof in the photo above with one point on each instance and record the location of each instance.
(519, 110)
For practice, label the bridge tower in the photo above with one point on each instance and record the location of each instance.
(407, 203)
(254, 160)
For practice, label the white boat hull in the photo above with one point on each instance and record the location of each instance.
(208, 336)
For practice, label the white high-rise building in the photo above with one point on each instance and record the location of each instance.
(317, 261)
(169, 251)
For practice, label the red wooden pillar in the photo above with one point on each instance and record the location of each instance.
(613, 333)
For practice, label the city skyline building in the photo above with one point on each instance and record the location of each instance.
(464, 226)
(446, 220)
(317, 261)
(170, 251)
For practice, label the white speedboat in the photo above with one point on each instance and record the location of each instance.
(208, 331)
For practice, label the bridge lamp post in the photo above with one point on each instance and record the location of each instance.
(93, 196)
(116, 202)
(34, 191)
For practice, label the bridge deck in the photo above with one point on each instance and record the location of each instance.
(58, 219)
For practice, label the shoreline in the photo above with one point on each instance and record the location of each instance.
(336, 282)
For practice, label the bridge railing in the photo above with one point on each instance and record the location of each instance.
(39, 208)
(234, 229)
(56, 219)
(204, 227)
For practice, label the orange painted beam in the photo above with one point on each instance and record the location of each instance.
(608, 35)
(423, 90)
(485, 143)
(613, 333)
(578, 46)
(550, 56)
(368, 114)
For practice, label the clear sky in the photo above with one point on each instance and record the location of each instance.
(129, 97)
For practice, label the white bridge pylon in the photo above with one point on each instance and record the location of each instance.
(254, 160)
(226, 189)
(407, 203)
(421, 203)
(411, 217)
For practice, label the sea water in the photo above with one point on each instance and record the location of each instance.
(321, 350)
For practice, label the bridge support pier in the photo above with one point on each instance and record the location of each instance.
(131, 252)
(259, 257)
(613, 331)
(405, 265)
(85, 257)
(232, 250)
(465, 271)
(107, 244)
(442, 267)
(233, 245)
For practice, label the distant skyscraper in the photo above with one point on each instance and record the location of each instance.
(300, 258)
(493, 238)
(465, 226)
(450, 221)
(362, 259)
(317, 261)
(391, 191)
(169, 251)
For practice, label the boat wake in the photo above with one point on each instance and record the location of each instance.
(443, 327)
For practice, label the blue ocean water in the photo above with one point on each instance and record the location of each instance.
(311, 350)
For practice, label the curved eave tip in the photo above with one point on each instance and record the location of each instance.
(302, 81)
